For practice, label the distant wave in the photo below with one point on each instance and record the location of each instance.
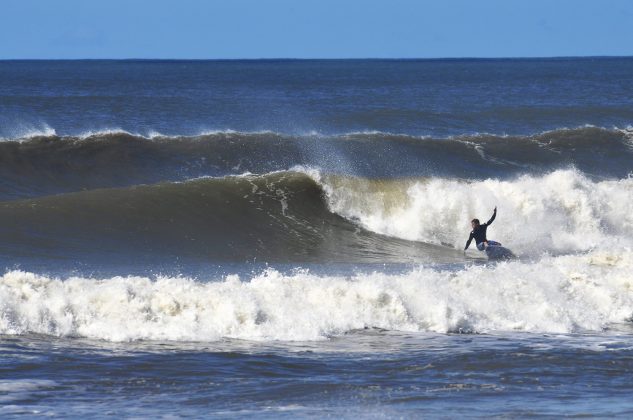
(570, 294)
(50, 164)
(26, 132)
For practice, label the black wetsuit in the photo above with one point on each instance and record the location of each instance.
(479, 233)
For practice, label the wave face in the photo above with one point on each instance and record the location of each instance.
(276, 217)
(50, 164)
(304, 215)
(556, 295)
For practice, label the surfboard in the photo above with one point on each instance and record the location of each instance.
(497, 252)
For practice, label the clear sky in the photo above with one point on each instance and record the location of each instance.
(314, 28)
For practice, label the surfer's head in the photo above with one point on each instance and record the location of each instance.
(474, 223)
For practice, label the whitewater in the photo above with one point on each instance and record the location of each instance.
(562, 211)
(569, 294)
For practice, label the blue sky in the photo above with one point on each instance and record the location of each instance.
(314, 29)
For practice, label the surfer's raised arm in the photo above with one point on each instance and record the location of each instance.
(494, 214)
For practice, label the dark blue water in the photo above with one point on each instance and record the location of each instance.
(285, 238)
(420, 97)
(376, 375)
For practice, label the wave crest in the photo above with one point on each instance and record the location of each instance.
(52, 164)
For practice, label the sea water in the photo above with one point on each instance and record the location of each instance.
(285, 238)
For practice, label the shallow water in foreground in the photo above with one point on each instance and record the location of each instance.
(372, 373)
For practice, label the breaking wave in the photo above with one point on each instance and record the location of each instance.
(556, 295)
(563, 211)
(305, 215)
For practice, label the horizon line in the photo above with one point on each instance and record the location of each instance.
(561, 57)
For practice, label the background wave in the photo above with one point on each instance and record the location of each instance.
(50, 164)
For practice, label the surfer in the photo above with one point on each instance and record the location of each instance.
(479, 233)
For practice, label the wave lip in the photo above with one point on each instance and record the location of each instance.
(556, 295)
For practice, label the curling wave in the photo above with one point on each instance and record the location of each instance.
(306, 216)
(282, 216)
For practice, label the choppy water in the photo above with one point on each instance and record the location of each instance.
(371, 373)
(284, 237)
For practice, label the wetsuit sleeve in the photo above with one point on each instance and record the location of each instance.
(470, 238)
(494, 214)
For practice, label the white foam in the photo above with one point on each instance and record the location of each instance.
(153, 134)
(237, 132)
(107, 131)
(556, 295)
(563, 211)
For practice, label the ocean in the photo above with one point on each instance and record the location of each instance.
(284, 238)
